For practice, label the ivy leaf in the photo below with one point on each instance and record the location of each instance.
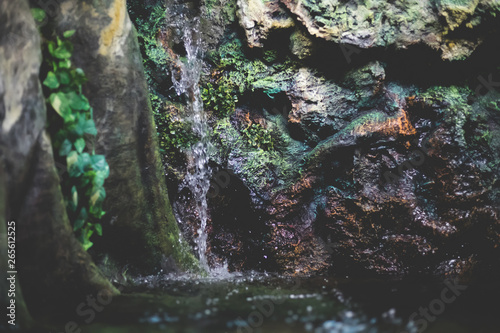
(63, 77)
(65, 148)
(79, 128)
(85, 161)
(87, 244)
(98, 196)
(74, 199)
(99, 178)
(99, 162)
(75, 166)
(61, 105)
(77, 102)
(51, 81)
(63, 51)
(98, 228)
(80, 145)
(38, 14)
(65, 64)
(69, 33)
(50, 46)
(80, 221)
(78, 224)
(89, 127)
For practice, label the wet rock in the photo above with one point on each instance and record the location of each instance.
(384, 161)
(139, 226)
(301, 44)
(53, 268)
(258, 18)
(383, 24)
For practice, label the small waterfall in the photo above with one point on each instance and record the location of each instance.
(199, 173)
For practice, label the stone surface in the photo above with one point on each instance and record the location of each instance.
(368, 24)
(384, 155)
(301, 44)
(139, 227)
(53, 269)
(258, 18)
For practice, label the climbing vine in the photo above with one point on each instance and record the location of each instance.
(72, 127)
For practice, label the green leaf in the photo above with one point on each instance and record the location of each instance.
(98, 228)
(65, 64)
(99, 177)
(50, 46)
(63, 77)
(87, 244)
(38, 14)
(85, 161)
(80, 72)
(51, 81)
(98, 196)
(78, 224)
(80, 145)
(64, 50)
(74, 198)
(79, 128)
(65, 148)
(77, 101)
(90, 127)
(83, 214)
(74, 163)
(99, 162)
(62, 53)
(69, 33)
(80, 221)
(90, 232)
(61, 105)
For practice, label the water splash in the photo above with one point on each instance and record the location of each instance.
(199, 173)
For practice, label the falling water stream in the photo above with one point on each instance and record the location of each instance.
(199, 173)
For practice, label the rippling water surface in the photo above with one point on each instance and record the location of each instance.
(254, 302)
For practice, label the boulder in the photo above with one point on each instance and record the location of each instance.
(53, 268)
(139, 227)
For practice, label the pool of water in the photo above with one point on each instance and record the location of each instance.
(254, 302)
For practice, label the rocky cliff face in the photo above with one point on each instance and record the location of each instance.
(365, 137)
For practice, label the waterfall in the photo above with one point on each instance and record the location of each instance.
(199, 173)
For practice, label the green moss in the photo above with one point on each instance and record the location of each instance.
(226, 9)
(261, 167)
(252, 74)
(219, 98)
(455, 110)
(259, 137)
(174, 133)
(149, 19)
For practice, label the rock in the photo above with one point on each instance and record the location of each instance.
(384, 160)
(384, 24)
(139, 227)
(457, 12)
(258, 18)
(301, 44)
(319, 107)
(53, 268)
